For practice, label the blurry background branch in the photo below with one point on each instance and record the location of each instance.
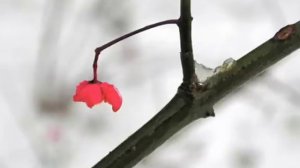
(195, 100)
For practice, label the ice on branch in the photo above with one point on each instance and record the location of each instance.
(203, 72)
(227, 64)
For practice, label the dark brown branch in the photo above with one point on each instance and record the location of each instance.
(181, 111)
(185, 29)
(103, 47)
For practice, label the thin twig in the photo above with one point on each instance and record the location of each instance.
(98, 50)
(101, 48)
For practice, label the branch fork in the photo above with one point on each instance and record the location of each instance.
(195, 100)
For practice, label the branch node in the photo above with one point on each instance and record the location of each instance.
(186, 90)
(97, 51)
(210, 112)
(285, 32)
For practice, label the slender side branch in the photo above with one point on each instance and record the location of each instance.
(103, 47)
(181, 111)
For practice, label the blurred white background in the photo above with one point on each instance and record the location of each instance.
(47, 49)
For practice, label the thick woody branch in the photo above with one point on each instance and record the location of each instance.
(285, 41)
(182, 110)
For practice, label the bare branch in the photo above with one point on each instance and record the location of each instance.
(182, 110)
(188, 106)
(185, 30)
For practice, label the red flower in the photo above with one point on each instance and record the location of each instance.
(93, 93)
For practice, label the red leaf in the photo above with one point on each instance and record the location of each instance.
(90, 93)
(112, 96)
(95, 93)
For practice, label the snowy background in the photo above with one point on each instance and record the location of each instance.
(47, 49)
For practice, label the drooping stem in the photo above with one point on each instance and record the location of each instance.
(95, 66)
(101, 48)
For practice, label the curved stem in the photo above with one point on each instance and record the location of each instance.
(101, 48)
